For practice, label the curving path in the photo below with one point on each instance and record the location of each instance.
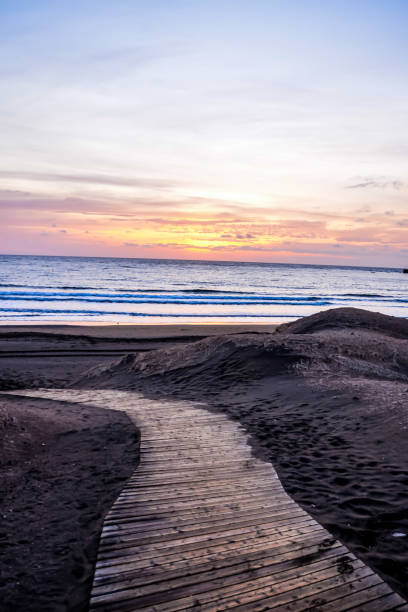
(204, 526)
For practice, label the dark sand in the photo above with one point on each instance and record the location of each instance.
(325, 399)
(61, 468)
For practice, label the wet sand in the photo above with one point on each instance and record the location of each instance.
(325, 400)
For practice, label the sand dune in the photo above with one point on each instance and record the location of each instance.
(347, 341)
(348, 318)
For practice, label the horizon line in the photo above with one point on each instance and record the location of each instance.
(212, 261)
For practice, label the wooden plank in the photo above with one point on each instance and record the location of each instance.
(193, 482)
(151, 595)
(287, 556)
(151, 476)
(193, 499)
(228, 566)
(168, 520)
(166, 535)
(246, 533)
(156, 590)
(226, 597)
(205, 522)
(214, 551)
(164, 466)
(199, 513)
(212, 531)
(201, 549)
(216, 524)
(199, 486)
(175, 504)
(200, 491)
(185, 542)
(197, 475)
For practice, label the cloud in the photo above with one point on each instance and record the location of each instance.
(63, 231)
(240, 236)
(12, 194)
(314, 250)
(124, 209)
(131, 244)
(89, 179)
(177, 245)
(377, 183)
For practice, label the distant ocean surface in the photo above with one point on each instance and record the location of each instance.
(84, 289)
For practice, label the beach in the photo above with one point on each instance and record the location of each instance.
(324, 399)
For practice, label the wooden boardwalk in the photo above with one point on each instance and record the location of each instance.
(204, 526)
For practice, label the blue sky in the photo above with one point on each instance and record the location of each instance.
(271, 131)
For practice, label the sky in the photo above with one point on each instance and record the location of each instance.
(257, 130)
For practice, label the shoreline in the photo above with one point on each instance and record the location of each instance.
(123, 330)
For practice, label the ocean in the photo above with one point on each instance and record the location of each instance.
(39, 289)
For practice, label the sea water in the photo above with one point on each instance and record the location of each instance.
(103, 289)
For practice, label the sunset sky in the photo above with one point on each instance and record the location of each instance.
(231, 130)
